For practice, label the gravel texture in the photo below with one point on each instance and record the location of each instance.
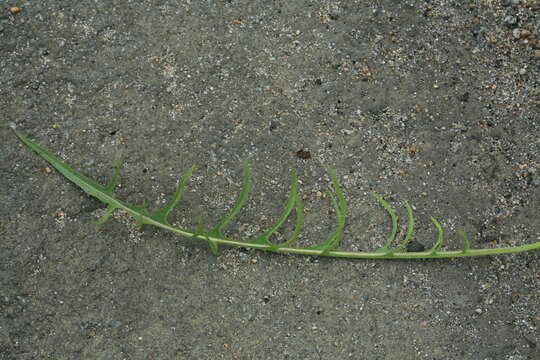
(436, 102)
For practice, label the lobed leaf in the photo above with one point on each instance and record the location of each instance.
(214, 238)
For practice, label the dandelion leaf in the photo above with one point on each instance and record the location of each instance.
(215, 237)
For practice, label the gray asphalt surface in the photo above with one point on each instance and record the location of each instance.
(434, 102)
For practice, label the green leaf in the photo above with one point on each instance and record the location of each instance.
(240, 202)
(140, 213)
(386, 247)
(162, 214)
(114, 181)
(293, 194)
(200, 233)
(108, 212)
(340, 208)
(299, 221)
(440, 238)
(214, 247)
(86, 184)
(199, 230)
(410, 229)
(215, 238)
(466, 243)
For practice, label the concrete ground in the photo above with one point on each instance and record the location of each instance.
(435, 102)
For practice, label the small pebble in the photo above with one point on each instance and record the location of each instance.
(522, 71)
(537, 53)
(303, 154)
(525, 33)
(516, 33)
(415, 246)
(510, 20)
(15, 10)
(478, 311)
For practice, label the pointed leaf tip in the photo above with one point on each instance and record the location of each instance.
(86, 184)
